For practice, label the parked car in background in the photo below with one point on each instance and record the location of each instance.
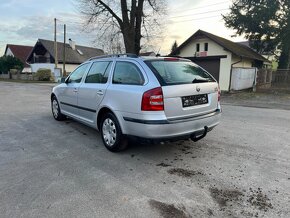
(153, 99)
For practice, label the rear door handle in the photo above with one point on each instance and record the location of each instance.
(100, 92)
(75, 90)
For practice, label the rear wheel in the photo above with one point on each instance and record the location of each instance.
(56, 110)
(111, 133)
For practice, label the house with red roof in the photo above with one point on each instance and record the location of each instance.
(21, 52)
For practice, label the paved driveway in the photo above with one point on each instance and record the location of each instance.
(61, 169)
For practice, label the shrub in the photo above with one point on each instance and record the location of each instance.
(43, 75)
(14, 71)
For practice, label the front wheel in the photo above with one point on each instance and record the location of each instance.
(56, 110)
(111, 133)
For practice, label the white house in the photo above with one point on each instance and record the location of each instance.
(43, 55)
(219, 56)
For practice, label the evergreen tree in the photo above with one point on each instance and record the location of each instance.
(10, 62)
(173, 48)
(265, 23)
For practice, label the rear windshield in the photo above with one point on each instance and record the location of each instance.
(178, 72)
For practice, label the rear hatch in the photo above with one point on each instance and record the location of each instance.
(188, 90)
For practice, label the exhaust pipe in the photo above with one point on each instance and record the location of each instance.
(195, 138)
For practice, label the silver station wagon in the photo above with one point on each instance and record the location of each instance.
(153, 99)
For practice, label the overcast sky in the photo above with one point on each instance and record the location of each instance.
(24, 21)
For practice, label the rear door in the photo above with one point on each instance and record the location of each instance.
(93, 89)
(188, 90)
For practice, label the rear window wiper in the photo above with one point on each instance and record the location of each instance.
(200, 80)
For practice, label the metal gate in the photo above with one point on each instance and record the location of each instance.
(243, 78)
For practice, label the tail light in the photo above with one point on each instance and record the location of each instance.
(152, 100)
(219, 94)
(171, 59)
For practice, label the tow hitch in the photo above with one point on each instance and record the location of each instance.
(194, 136)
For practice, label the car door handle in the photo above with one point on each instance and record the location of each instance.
(100, 92)
(75, 90)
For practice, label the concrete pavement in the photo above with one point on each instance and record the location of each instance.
(61, 169)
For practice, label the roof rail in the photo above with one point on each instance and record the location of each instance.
(129, 55)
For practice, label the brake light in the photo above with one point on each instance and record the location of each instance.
(171, 59)
(219, 94)
(152, 100)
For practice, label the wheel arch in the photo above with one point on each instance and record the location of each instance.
(52, 95)
(101, 113)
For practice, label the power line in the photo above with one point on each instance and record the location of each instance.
(80, 23)
(206, 6)
(201, 18)
(205, 12)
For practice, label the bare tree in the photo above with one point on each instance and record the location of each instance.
(134, 20)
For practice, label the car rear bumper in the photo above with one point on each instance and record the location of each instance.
(170, 129)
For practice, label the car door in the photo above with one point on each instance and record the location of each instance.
(125, 92)
(93, 89)
(68, 95)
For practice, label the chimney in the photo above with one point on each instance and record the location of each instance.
(72, 44)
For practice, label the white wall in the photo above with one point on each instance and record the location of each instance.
(68, 67)
(36, 66)
(225, 72)
(213, 48)
(9, 52)
(244, 62)
(26, 70)
(71, 67)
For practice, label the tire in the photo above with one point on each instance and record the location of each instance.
(111, 133)
(55, 109)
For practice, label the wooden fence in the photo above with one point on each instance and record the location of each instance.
(281, 77)
(264, 78)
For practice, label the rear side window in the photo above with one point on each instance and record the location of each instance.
(127, 73)
(178, 72)
(99, 72)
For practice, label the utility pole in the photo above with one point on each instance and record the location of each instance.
(64, 39)
(55, 45)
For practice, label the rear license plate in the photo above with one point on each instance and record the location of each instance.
(188, 101)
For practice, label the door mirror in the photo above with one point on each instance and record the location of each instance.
(63, 80)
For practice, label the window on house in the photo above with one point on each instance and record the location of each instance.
(205, 46)
(197, 47)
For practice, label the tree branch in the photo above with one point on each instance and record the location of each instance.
(124, 11)
(133, 13)
(111, 12)
(153, 5)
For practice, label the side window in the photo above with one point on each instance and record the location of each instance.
(78, 73)
(99, 72)
(127, 73)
